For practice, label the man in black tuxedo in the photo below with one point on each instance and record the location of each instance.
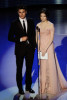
(22, 32)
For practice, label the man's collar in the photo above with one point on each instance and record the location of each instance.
(22, 19)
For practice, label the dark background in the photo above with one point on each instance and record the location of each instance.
(13, 3)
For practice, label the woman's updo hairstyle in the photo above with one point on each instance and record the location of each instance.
(45, 11)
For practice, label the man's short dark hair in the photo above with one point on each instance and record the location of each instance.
(22, 7)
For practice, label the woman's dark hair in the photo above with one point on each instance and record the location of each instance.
(45, 11)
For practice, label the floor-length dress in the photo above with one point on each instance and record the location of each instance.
(52, 80)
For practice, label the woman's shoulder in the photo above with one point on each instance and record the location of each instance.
(38, 24)
(50, 23)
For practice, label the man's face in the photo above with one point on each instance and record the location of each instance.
(22, 13)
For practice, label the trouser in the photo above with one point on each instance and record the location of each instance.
(28, 54)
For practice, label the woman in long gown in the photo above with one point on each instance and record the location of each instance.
(51, 78)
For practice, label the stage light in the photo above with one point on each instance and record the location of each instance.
(58, 1)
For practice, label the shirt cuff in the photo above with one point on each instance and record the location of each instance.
(21, 40)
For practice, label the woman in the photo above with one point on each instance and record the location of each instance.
(51, 78)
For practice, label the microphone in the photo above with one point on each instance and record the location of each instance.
(37, 28)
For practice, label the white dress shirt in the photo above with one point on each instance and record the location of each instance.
(25, 20)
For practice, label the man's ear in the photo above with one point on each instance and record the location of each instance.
(18, 12)
(26, 12)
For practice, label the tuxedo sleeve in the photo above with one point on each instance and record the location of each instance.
(12, 34)
(33, 34)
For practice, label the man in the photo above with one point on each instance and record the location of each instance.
(22, 32)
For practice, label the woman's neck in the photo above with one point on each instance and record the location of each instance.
(44, 22)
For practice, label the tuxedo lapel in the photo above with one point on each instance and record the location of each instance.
(19, 24)
(27, 25)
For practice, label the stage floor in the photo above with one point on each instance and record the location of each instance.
(12, 94)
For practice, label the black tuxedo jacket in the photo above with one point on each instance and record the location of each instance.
(16, 32)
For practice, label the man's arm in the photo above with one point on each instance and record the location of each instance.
(11, 34)
(33, 34)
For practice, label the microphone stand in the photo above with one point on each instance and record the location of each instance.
(39, 96)
(38, 45)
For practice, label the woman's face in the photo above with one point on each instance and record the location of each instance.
(43, 17)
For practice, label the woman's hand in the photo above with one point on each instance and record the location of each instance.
(43, 53)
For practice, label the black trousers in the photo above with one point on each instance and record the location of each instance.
(28, 54)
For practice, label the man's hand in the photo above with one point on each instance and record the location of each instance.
(24, 38)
